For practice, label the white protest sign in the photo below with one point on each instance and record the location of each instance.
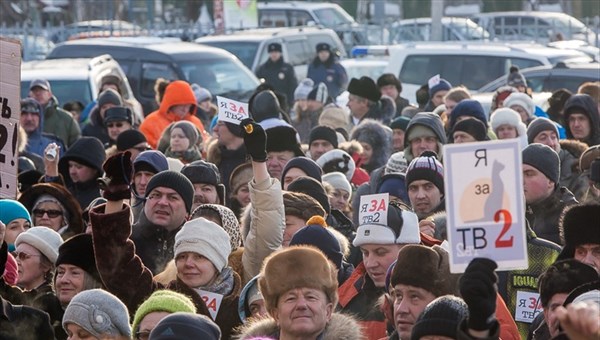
(529, 306)
(231, 110)
(484, 204)
(212, 301)
(374, 209)
(433, 81)
(10, 111)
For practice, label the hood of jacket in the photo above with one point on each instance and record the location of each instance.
(378, 136)
(586, 104)
(429, 120)
(339, 327)
(243, 310)
(178, 92)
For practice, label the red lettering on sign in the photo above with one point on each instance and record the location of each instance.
(507, 223)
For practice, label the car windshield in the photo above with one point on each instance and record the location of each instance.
(221, 77)
(65, 90)
(567, 23)
(372, 70)
(469, 30)
(245, 51)
(331, 17)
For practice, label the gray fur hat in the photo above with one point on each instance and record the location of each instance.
(378, 136)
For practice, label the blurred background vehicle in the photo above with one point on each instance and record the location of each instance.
(419, 29)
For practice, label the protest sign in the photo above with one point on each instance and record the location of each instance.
(231, 110)
(212, 301)
(373, 209)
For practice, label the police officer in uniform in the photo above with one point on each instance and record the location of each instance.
(325, 68)
(279, 74)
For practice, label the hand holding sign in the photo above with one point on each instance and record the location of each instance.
(231, 110)
(374, 209)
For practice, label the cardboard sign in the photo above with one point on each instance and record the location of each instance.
(10, 111)
(374, 209)
(212, 301)
(484, 204)
(231, 110)
(433, 81)
(529, 306)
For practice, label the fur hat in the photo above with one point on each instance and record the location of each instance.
(579, 225)
(337, 160)
(162, 301)
(189, 130)
(473, 127)
(544, 159)
(319, 93)
(44, 239)
(176, 181)
(206, 238)
(130, 138)
(521, 99)
(441, 317)
(364, 87)
(431, 272)
(303, 89)
(302, 205)
(511, 117)
(564, 276)
(426, 167)
(109, 96)
(378, 136)
(98, 312)
(515, 78)
(538, 125)
(313, 188)
(310, 168)
(241, 175)
(443, 85)
(283, 138)
(470, 108)
(338, 181)
(325, 133)
(297, 267)
(389, 79)
(181, 325)
(402, 228)
(587, 157)
(79, 251)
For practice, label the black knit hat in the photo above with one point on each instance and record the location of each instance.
(544, 159)
(130, 138)
(318, 236)
(283, 138)
(364, 87)
(118, 113)
(473, 127)
(441, 317)
(538, 125)
(389, 79)
(310, 168)
(579, 225)
(264, 105)
(79, 251)
(311, 187)
(426, 167)
(323, 132)
(88, 151)
(176, 181)
(205, 172)
(235, 129)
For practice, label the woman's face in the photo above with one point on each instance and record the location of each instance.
(148, 323)
(49, 214)
(31, 271)
(367, 153)
(14, 228)
(195, 270)
(243, 195)
(179, 141)
(506, 131)
(75, 332)
(339, 199)
(69, 282)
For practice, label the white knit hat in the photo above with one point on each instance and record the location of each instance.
(303, 89)
(206, 238)
(511, 117)
(521, 99)
(337, 180)
(43, 239)
(338, 160)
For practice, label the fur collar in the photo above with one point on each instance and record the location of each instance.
(341, 327)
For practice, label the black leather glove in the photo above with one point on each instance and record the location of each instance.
(255, 140)
(478, 289)
(118, 172)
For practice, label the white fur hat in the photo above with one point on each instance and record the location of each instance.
(521, 99)
(337, 160)
(511, 117)
(43, 239)
(206, 238)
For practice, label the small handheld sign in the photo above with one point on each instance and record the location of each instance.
(212, 301)
(374, 209)
(231, 110)
(433, 81)
(484, 204)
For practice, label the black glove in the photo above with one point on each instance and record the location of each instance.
(478, 289)
(255, 140)
(118, 171)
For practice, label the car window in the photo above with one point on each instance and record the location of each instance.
(331, 17)
(298, 52)
(65, 90)
(272, 18)
(245, 51)
(554, 83)
(521, 63)
(299, 18)
(153, 71)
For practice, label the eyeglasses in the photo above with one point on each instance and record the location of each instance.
(118, 124)
(23, 256)
(142, 335)
(51, 213)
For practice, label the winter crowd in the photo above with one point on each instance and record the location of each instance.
(182, 226)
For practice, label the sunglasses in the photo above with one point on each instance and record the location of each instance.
(51, 213)
(23, 256)
(118, 124)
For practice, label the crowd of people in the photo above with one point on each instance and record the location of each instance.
(183, 226)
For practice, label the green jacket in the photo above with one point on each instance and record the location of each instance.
(60, 123)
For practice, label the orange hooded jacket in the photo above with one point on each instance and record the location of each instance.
(178, 92)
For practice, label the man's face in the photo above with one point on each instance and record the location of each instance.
(80, 173)
(438, 97)
(291, 175)
(276, 161)
(579, 124)
(462, 137)
(204, 194)
(398, 139)
(409, 302)
(165, 207)
(424, 197)
(29, 121)
(390, 91)
(274, 56)
(536, 185)
(589, 254)
(358, 106)
(292, 225)
(426, 143)
(42, 96)
(549, 138)
(116, 127)
(224, 136)
(302, 313)
(377, 258)
(550, 312)
(319, 147)
(140, 181)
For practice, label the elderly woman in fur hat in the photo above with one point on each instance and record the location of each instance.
(299, 286)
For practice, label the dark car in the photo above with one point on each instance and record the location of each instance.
(145, 59)
(552, 78)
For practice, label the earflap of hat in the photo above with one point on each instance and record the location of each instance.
(409, 233)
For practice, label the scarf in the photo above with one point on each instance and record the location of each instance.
(223, 284)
